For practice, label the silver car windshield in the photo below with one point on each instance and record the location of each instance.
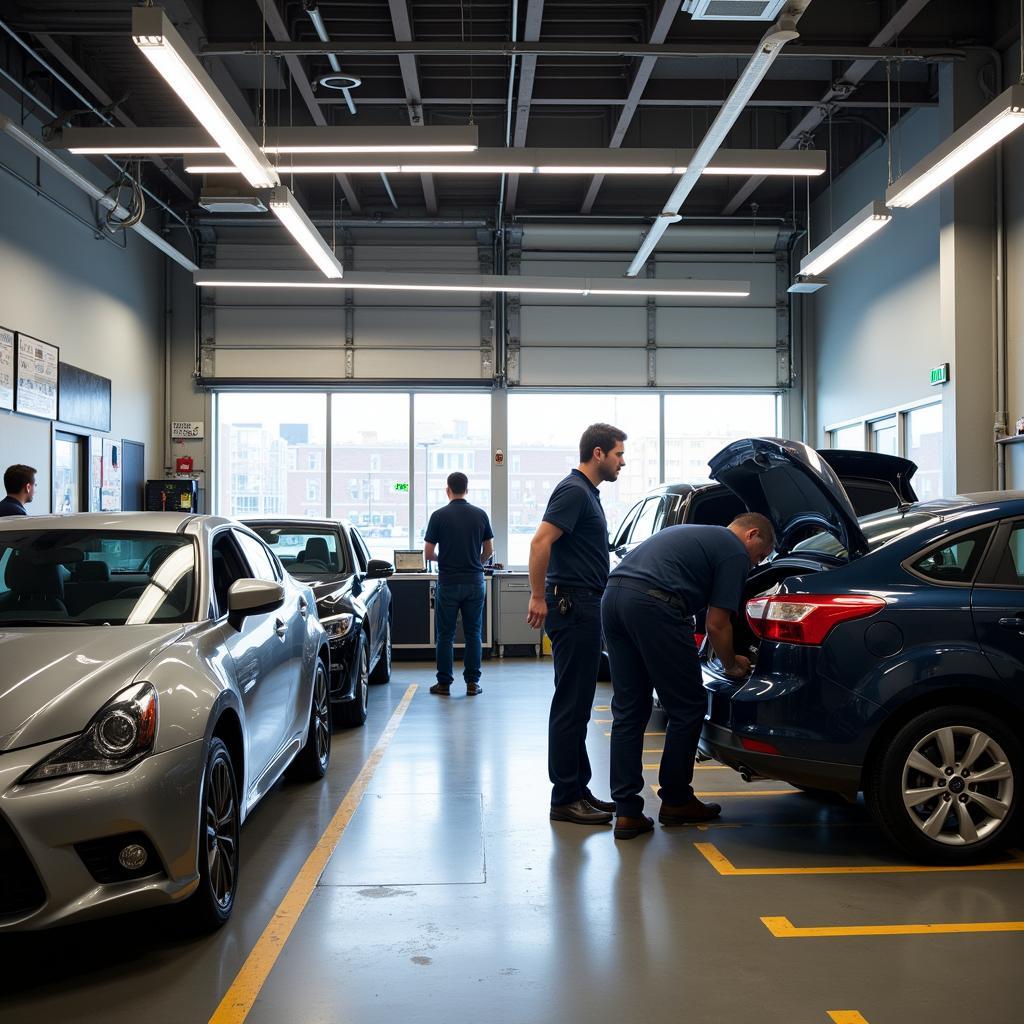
(96, 577)
(306, 553)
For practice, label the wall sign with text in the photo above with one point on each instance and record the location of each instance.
(185, 430)
(37, 377)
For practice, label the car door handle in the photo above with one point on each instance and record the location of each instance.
(1012, 622)
(281, 628)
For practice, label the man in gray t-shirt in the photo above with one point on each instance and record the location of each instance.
(647, 616)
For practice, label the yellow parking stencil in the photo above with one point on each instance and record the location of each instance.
(783, 928)
(724, 866)
(846, 1017)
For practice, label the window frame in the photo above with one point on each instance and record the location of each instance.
(909, 563)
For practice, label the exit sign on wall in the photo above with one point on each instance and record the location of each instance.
(940, 374)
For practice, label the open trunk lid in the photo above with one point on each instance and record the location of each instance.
(874, 466)
(791, 484)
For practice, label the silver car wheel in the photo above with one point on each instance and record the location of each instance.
(221, 830)
(322, 714)
(957, 785)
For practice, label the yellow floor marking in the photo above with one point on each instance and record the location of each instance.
(646, 734)
(245, 989)
(724, 866)
(783, 928)
(602, 707)
(846, 1017)
(603, 721)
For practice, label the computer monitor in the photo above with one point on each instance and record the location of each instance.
(409, 560)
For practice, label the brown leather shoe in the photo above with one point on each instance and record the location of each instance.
(579, 812)
(693, 812)
(630, 828)
(441, 689)
(601, 805)
(472, 689)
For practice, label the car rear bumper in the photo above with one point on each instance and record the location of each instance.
(724, 745)
(44, 825)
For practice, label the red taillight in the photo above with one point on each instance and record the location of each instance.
(808, 618)
(698, 639)
(757, 746)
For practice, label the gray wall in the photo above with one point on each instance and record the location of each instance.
(876, 325)
(99, 303)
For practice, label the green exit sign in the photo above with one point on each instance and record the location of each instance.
(940, 374)
(402, 488)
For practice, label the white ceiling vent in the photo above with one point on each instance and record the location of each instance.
(733, 10)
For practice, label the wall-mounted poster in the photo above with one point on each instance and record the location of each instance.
(110, 492)
(36, 389)
(6, 368)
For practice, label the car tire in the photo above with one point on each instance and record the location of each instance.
(210, 906)
(933, 760)
(382, 670)
(312, 761)
(352, 712)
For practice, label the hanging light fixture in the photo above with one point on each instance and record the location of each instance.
(856, 230)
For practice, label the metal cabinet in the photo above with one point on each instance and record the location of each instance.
(412, 629)
(511, 601)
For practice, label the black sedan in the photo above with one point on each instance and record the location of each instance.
(352, 600)
(888, 654)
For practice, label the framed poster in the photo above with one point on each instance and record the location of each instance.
(36, 386)
(6, 368)
(110, 491)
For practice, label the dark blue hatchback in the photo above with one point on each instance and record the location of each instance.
(888, 654)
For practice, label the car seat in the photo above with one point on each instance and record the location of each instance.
(89, 583)
(316, 550)
(33, 588)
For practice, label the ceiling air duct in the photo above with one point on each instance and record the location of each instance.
(733, 10)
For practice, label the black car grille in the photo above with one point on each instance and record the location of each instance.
(20, 888)
(100, 857)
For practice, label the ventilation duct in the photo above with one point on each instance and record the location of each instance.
(733, 10)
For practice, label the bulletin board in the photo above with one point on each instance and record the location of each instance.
(6, 368)
(36, 386)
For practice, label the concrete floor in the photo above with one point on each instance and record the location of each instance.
(452, 898)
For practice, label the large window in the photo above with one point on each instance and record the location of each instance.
(453, 434)
(270, 454)
(370, 468)
(924, 446)
(543, 439)
(699, 426)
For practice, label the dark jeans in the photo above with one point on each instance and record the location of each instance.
(651, 647)
(576, 652)
(449, 600)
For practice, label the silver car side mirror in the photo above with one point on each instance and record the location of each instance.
(253, 597)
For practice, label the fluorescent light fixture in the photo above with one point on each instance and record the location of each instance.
(768, 49)
(986, 129)
(857, 229)
(804, 285)
(164, 48)
(474, 283)
(533, 160)
(304, 139)
(287, 210)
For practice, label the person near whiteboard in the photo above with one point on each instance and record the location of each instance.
(20, 483)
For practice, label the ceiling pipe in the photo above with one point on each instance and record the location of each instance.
(782, 32)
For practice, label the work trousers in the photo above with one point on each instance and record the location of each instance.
(651, 647)
(576, 652)
(451, 600)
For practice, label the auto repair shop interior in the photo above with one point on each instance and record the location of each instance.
(273, 271)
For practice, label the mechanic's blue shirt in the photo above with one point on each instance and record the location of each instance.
(579, 558)
(704, 566)
(459, 531)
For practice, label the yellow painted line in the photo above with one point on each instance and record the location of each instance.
(846, 1017)
(602, 707)
(602, 721)
(724, 866)
(783, 928)
(646, 734)
(245, 989)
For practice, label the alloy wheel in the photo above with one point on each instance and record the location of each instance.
(322, 715)
(957, 785)
(221, 833)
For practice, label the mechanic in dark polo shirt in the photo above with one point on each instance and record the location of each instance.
(20, 484)
(568, 572)
(463, 533)
(647, 614)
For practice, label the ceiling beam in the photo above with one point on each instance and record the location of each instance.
(667, 14)
(406, 48)
(279, 30)
(841, 89)
(527, 73)
(76, 69)
(411, 82)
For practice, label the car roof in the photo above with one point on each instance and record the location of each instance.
(298, 522)
(135, 522)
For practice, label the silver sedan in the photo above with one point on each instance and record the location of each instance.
(158, 674)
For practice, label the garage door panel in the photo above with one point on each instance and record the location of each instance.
(717, 368)
(569, 366)
(550, 325)
(713, 328)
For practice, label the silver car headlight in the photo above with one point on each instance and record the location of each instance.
(338, 626)
(119, 735)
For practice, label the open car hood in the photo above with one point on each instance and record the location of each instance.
(890, 469)
(791, 484)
